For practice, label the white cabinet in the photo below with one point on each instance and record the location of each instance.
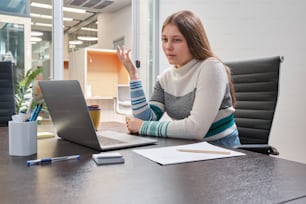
(99, 71)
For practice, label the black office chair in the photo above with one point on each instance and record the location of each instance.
(7, 93)
(256, 87)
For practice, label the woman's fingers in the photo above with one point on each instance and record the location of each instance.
(125, 58)
(123, 54)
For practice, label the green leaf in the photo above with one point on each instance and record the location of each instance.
(23, 87)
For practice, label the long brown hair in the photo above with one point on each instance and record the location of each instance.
(194, 33)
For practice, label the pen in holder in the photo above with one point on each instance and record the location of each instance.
(36, 112)
(22, 138)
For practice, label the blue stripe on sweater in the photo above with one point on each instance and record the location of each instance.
(220, 125)
(150, 128)
(138, 101)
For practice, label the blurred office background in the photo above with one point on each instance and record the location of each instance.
(237, 30)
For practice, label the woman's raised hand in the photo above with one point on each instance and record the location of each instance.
(125, 58)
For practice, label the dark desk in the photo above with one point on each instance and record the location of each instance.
(253, 178)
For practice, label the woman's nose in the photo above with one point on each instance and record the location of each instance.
(169, 46)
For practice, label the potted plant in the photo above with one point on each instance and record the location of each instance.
(23, 90)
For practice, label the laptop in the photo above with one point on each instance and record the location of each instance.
(70, 116)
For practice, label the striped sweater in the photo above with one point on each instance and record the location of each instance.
(196, 96)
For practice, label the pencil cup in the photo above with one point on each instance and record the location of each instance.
(22, 138)
(95, 113)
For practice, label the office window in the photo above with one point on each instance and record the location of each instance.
(12, 46)
(15, 7)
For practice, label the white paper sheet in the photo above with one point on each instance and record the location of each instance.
(172, 155)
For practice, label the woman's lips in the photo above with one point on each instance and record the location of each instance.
(171, 56)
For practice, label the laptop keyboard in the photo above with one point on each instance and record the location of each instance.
(109, 141)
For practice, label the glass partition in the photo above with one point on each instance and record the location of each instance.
(41, 51)
(12, 46)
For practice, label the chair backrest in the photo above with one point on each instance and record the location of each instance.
(7, 93)
(123, 100)
(256, 87)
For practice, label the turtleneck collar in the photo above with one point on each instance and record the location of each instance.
(185, 68)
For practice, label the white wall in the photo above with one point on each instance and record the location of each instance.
(240, 29)
(113, 26)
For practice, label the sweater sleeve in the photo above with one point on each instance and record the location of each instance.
(140, 107)
(210, 90)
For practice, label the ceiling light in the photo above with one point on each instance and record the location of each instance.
(75, 42)
(68, 19)
(47, 6)
(36, 39)
(73, 10)
(36, 33)
(39, 5)
(40, 16)
(43, 24)
(48, 17)
(87, 38)
(34, 15)
(89, 29)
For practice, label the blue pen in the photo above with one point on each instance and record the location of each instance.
(50, 160)
(36, 112)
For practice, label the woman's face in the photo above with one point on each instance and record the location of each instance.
(175, 46)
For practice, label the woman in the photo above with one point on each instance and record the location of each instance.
(196, 92)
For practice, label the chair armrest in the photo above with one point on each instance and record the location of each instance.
(125, 103)
(259, 148)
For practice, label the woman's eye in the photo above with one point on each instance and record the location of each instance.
(164, 39)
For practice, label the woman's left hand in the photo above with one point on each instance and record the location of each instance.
(133, 124)
(125, 58)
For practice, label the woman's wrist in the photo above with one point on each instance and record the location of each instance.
(134, 77)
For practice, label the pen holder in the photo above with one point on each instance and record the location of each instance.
(22, 138)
